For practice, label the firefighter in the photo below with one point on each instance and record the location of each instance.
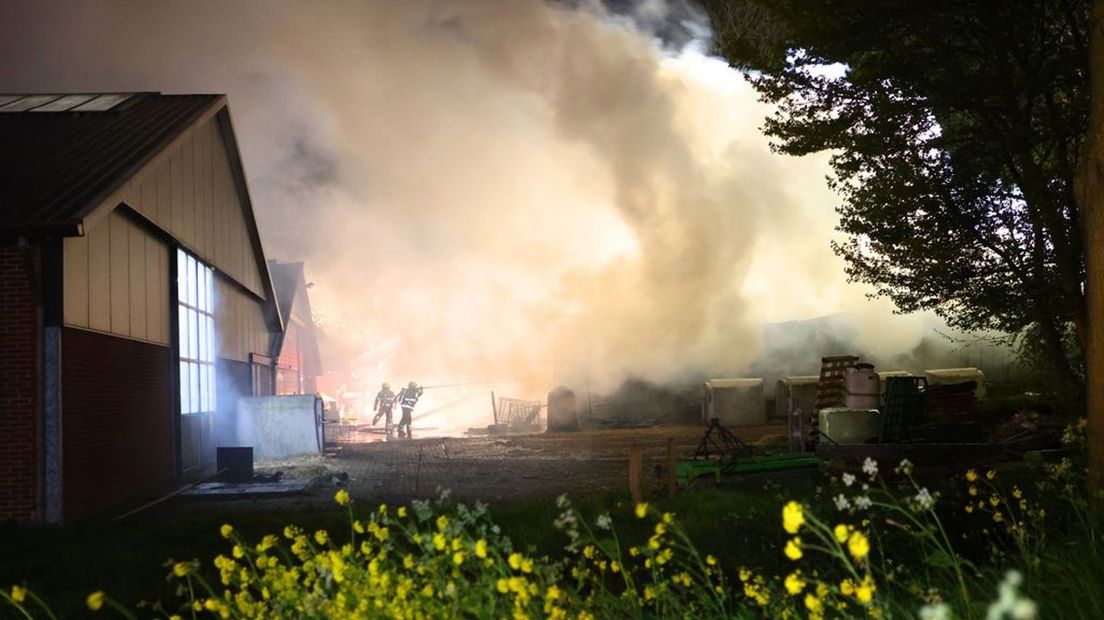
(385, 402)
(408, 397)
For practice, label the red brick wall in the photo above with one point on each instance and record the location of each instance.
(18, 388)
(117, 414)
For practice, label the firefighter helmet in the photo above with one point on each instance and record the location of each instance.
(385, 386)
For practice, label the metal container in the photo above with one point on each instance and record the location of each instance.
(884, 375)
(795, 393)
(563, 414)
(850, 426)
(951, 376)
(734, 402)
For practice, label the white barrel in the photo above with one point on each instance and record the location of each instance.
(861, 383)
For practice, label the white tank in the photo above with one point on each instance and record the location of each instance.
(861, 383)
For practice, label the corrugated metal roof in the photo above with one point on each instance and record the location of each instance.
(55, 166)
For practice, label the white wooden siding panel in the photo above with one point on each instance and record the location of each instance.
(99, 275)
(120, 275)
(75, 277)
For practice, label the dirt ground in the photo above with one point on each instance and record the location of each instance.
(498, 468)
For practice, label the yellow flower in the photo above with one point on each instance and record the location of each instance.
(793, 516)
(813, 604)
(841, 533)
(971, 475)
(994, 500)
(342, 498)
(552, 594)
(238, 551)
(481, 549)
(972, 491)
(502, 586)
(794, 583)
(321, 537)
(998, 517)
(969, 508)
(858, 545)
(226, 530)
(402, 511)
(442, 522)
(95, 600)
(990, 474)
(649, 593)
(1016, 492)
(710, 560)
(18, 594)
(514, 560)
(793, 548)
(641, 510)
(181, 569)
(668, 518)
(745, 574)
(458, 558)
(847, 587)
(439, 542)
(864, 592)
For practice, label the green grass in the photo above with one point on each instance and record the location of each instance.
(63, 564)
(738, 523)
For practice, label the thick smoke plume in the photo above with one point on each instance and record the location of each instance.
(513, 193)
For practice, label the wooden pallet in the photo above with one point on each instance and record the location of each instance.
(830, 392)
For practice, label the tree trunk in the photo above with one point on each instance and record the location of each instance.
(1089, 189)
(1052, 334)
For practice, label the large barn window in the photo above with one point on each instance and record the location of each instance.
(195, 295)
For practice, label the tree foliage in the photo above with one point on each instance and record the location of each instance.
(955, 130)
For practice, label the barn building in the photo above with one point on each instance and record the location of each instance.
(136, 304)
(298, 362)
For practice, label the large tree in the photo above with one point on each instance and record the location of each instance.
(955, 129)
(1089, 186)
(970, 167)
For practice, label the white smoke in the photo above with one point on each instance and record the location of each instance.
(509, 192)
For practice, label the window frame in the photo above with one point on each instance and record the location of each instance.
(196, 343)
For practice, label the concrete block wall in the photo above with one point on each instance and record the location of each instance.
(19, 397)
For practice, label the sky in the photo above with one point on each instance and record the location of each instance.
(512, 193)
